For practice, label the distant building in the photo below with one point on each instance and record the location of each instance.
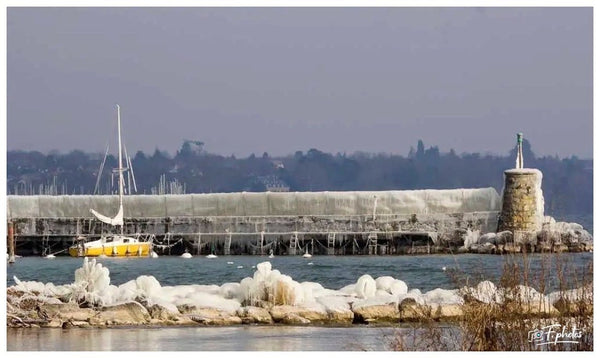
(278, 164)
(274, 184)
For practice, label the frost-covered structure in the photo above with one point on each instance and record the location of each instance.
(346, 223)
(281, 221)
(366, 203)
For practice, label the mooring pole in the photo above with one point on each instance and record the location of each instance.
(11, 242)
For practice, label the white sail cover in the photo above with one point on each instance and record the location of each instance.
(116, 221)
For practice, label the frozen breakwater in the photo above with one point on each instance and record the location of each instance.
(333, 223)
(268, 297)
(326, 223)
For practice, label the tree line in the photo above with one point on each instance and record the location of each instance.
(567, 182)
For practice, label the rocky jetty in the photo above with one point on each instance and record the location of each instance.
(553, 237)
(268, 297)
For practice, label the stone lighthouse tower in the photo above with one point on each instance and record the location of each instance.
(522, 197)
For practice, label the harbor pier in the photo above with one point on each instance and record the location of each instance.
(334, 223)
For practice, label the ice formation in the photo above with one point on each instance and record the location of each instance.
(552, 232)
(414, 295)
(441, 296)
(384, 282)
(92, 283)
(582, 293)
(92, 286)
(270, 288)
(365, 287)
(564, 231)
(269, 203)
(471, 237)
(485, 291)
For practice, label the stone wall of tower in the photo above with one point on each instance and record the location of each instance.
(522, 201)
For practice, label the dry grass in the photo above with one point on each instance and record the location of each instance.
(505, 325)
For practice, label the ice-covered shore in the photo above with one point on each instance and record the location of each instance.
(268, 297)
(553, 237)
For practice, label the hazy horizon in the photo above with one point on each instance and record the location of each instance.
(278, 80)
(113, 151)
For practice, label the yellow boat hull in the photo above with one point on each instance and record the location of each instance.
(141, 249)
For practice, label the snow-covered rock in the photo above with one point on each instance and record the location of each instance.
(148, 286)
(485, 292)
(398, 288)
(471, 238)
(349, 289)
(200, 299)
(490, 238)
(252, 314)
(384, 283)
(337, 308)
(365, 287)
(443, 297)
(503, 237)
(230, 290)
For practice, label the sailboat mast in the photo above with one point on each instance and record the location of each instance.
(120, 164)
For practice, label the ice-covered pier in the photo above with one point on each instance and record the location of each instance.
(361, 222)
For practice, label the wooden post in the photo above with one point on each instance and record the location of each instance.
(198, 244)
(227, 248)
(11, 242)
(262, 241)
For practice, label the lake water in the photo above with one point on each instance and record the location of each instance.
(423, 272)
(237, 338)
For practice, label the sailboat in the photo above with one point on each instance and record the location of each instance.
(113, 245)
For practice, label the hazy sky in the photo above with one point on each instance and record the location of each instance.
(280, 80)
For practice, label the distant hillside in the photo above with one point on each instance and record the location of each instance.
(567, 183)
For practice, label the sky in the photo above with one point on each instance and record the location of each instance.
(278, 80)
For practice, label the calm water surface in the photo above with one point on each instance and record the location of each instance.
(238, 338)
(423, 272)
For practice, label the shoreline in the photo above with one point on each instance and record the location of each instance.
(270, 297)
(135, 315)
